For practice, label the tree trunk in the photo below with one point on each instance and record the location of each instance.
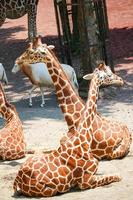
(83, 37)
(92, 33)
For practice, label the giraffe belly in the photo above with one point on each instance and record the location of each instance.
(14, 14)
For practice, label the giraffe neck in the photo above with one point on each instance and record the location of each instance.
(87, 118)
(70, 102)
(6, 109)
(6, 112)
(78, 145)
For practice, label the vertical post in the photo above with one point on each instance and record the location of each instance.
(107, 36)
(66, 30)
(92, 32)
(83, 37)
(59, 31)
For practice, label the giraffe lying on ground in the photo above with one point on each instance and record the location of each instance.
(12, 145)
(14, 9)
(110, 139)
(72, 164)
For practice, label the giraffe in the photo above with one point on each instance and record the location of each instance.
(12, 144)
(14, 9)
(111, 139)
(72, 164)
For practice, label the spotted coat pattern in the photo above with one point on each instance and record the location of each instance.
(12, 144)
(14, 9)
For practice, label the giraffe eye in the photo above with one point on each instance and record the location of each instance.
(101, 77)
(31, 53)
(43, 52)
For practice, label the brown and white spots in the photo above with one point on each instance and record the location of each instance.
(12, 144)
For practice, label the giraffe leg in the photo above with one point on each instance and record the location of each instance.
(122, 148)
(15, 187)
(97, 181)
(49, 192)
(32, 11)
(2, 21)
(30, 96)
(42, 93)
(90, 180)
(119, 152)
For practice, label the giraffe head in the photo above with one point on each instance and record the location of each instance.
(36, 52)
(104, 76)
(28, 56)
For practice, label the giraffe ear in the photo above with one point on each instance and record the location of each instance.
(88, 76)
(51, 47)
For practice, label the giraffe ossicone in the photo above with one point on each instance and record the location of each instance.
(110, 139)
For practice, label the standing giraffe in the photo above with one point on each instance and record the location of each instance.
(72, 164)
(110, 139)
(14, 9)
(12, 145)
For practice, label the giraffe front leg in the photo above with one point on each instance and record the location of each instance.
(97, 181)
(2, 14)
(121, 149)
(90, 180)
(120, 152)
(32, 30)
(2, 20)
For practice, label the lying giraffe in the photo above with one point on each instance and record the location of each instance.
(110, 139)
(72, 164)
(14, 9)
(12, 145)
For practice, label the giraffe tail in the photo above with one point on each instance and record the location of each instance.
(104, 180)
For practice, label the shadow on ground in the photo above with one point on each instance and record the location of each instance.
(10, 49)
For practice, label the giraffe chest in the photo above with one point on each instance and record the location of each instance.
(15, 13)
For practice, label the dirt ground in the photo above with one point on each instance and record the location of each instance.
(43, 127)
